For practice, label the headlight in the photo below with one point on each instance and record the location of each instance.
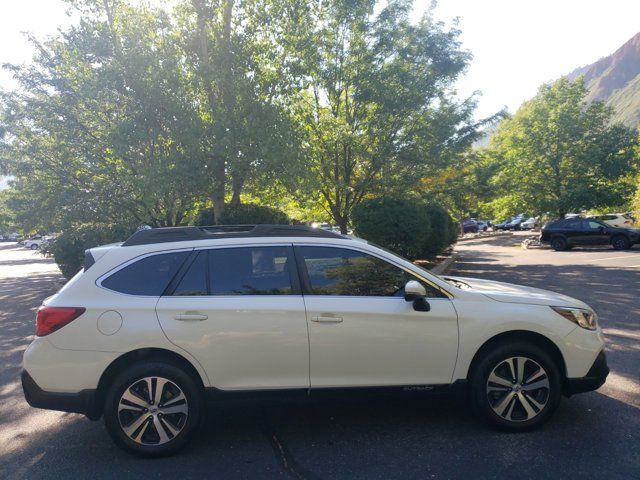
(580, 316)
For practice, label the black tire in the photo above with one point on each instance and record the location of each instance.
(176, 378)
(34, 247)
(620, 242)
(519, 419)
(559, 244)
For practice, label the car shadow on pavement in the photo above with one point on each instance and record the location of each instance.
(19, 299)
(425, 437)
(27, 261)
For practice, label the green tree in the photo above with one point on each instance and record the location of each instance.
(559, 153)
(102, 128)
(141, 115)
(240, 55)
(377, 106)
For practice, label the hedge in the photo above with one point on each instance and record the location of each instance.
(68, 248)
(411, 228)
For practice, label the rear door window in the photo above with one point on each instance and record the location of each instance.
(250, 271)
(571, 224)
(148, 276)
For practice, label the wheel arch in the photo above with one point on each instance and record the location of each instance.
(553, 236)
(136, 356)
(617, 235)
(519, 336)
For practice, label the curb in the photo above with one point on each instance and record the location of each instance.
(445, 265)
(485, 235)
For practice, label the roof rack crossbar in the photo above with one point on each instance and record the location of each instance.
(209, 232)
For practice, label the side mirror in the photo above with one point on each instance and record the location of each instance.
(414, 290)
(416, 293)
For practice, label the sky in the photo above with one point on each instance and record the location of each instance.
(517, 44)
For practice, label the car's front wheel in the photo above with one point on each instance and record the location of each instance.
(621, 242)
(516, 386)
(153, 409)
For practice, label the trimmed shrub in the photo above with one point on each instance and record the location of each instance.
(398, 225)
(408, 227)
(444, 231)
(68, 248)
(247, 213)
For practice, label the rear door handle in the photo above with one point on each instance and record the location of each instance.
(322, 319)
(190, 317)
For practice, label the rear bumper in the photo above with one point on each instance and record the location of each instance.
(593, 380)
(81, 402)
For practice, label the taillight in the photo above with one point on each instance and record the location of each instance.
(50, 319)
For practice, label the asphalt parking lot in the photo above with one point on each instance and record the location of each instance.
(594, 435)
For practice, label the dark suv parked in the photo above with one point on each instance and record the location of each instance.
(566, 233)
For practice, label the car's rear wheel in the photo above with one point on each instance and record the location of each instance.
(33, 246)
(153, 409)
(620, 242)
(559, 244)
(516, 386)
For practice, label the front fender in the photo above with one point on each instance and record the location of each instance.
(480, 321)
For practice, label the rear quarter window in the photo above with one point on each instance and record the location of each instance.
(148, 276)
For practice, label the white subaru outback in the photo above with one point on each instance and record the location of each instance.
(155, 326)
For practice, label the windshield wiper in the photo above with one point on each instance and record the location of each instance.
(457, 283)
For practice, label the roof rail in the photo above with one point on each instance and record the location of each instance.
(183, 234)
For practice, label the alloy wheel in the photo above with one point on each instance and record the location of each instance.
(518, 389)
(152, 411)
(620, 243)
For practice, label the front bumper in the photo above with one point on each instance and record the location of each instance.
(81, 402)
(593, 380)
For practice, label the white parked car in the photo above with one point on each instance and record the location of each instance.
(152, 328)
(35, 242)
(620, 220)
(529, 223)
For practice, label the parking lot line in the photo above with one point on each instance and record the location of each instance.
(612, 258)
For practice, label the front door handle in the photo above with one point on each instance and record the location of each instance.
(322, 319)
(190, 317)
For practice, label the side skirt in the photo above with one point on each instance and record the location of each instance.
(397, 391)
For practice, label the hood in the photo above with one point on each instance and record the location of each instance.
(510, 293)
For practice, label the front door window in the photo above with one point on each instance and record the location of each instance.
(345, 272)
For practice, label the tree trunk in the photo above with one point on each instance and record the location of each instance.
(218, 162)
(217, 195)
(237, 183)
(228, 100)
(342, 223)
